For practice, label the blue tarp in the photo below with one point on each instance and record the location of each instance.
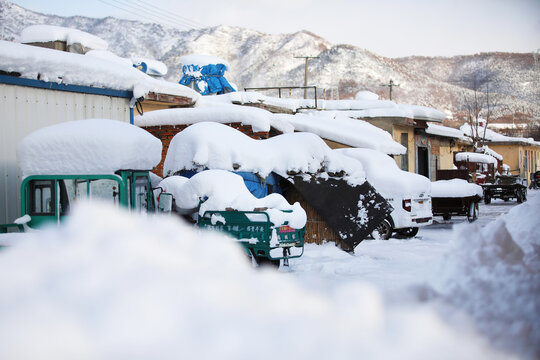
(211, 80)
(257, 186)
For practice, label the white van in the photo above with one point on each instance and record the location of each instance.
(408, 193)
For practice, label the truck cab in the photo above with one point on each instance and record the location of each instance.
(49, 198)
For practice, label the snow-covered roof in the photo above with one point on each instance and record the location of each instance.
(455, 188)
(366, 107)
(223, 189)
(383, 173)
(47, 33)
(486, 150)
(259, 119)
(345, 130)
(440, 130)
(75, 69)
(217, 146)
(496, 137)
(93, 146)
(476, 157)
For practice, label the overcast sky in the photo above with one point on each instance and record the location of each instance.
(387, 27)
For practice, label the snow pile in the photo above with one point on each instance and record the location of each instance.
(494, 136)
(93, 146)
(222, 190)
(47, 33)
(110, 285)
(366, 95)
(455, 188)
(344, 130)
(476, 157)
(383, 173)
(439, 130)
(252, 97)
(226, 114)
(216, 146)
(493, 274)
(107, 55)
(75, 69)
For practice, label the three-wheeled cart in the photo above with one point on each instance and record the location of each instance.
(458, 206)
(506, 187)
(264, 241)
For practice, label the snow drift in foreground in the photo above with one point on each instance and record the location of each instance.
(493, 274)
(110, 285)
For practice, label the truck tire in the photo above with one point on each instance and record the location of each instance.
(446, 216)
(383, 231)
(487, 199)
(519, 197)
(472, 215)
(408, 232)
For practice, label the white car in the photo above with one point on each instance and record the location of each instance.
(408, 193)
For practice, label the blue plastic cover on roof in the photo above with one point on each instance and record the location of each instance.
(211, 80)
(257, 186)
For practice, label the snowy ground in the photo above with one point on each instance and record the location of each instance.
(109, 285)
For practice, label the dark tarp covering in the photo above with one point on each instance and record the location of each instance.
(353, 212)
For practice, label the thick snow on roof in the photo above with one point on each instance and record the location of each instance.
(440, 130)
(223, 189)
(496, 137)
(345, 130)
(107, 55)
(455, 188)
(217, 146)
(46, 33)
(486, 150)
(93, 146)
(68, 68)
(476, 157)
(383, 173)
(259, 119)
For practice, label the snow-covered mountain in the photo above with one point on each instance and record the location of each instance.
(257, 59)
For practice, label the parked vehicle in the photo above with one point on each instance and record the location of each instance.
(409, 194)
(535, 180)
(506, 187)
(455, 197)
(68, 162)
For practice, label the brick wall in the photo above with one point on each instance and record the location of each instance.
(166, 132)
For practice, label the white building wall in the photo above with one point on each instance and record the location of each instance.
(25, 109)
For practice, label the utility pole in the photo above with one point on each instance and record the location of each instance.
(306, 71)
(390, 85)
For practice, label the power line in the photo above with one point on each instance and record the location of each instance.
(166, 13)
(122, 6)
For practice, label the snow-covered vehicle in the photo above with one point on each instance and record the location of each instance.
(506, 187)
(455, 197)
(408, 193)
(268, 228)
(85, 159)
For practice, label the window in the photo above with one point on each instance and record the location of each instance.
(142, 194)
(106, 189)
(42, 197)
(405, 157)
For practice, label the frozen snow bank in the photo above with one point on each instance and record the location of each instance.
(75, 69)
(258, 119)
(476, 157)
(216, 146)
(455, 188)
(224, 189)
(344, 130)
(46, 33)
(493, 273)
(93, 146)
(109, 285)
(383, 173)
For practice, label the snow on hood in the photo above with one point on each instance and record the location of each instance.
(224, 189)
(93, 146)
(217, 146)
(258, 119)
(455, 188)
(108, 284)
(62, 67)
(345, 130)
(47, 33)
(476, 157)
(383, 173)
